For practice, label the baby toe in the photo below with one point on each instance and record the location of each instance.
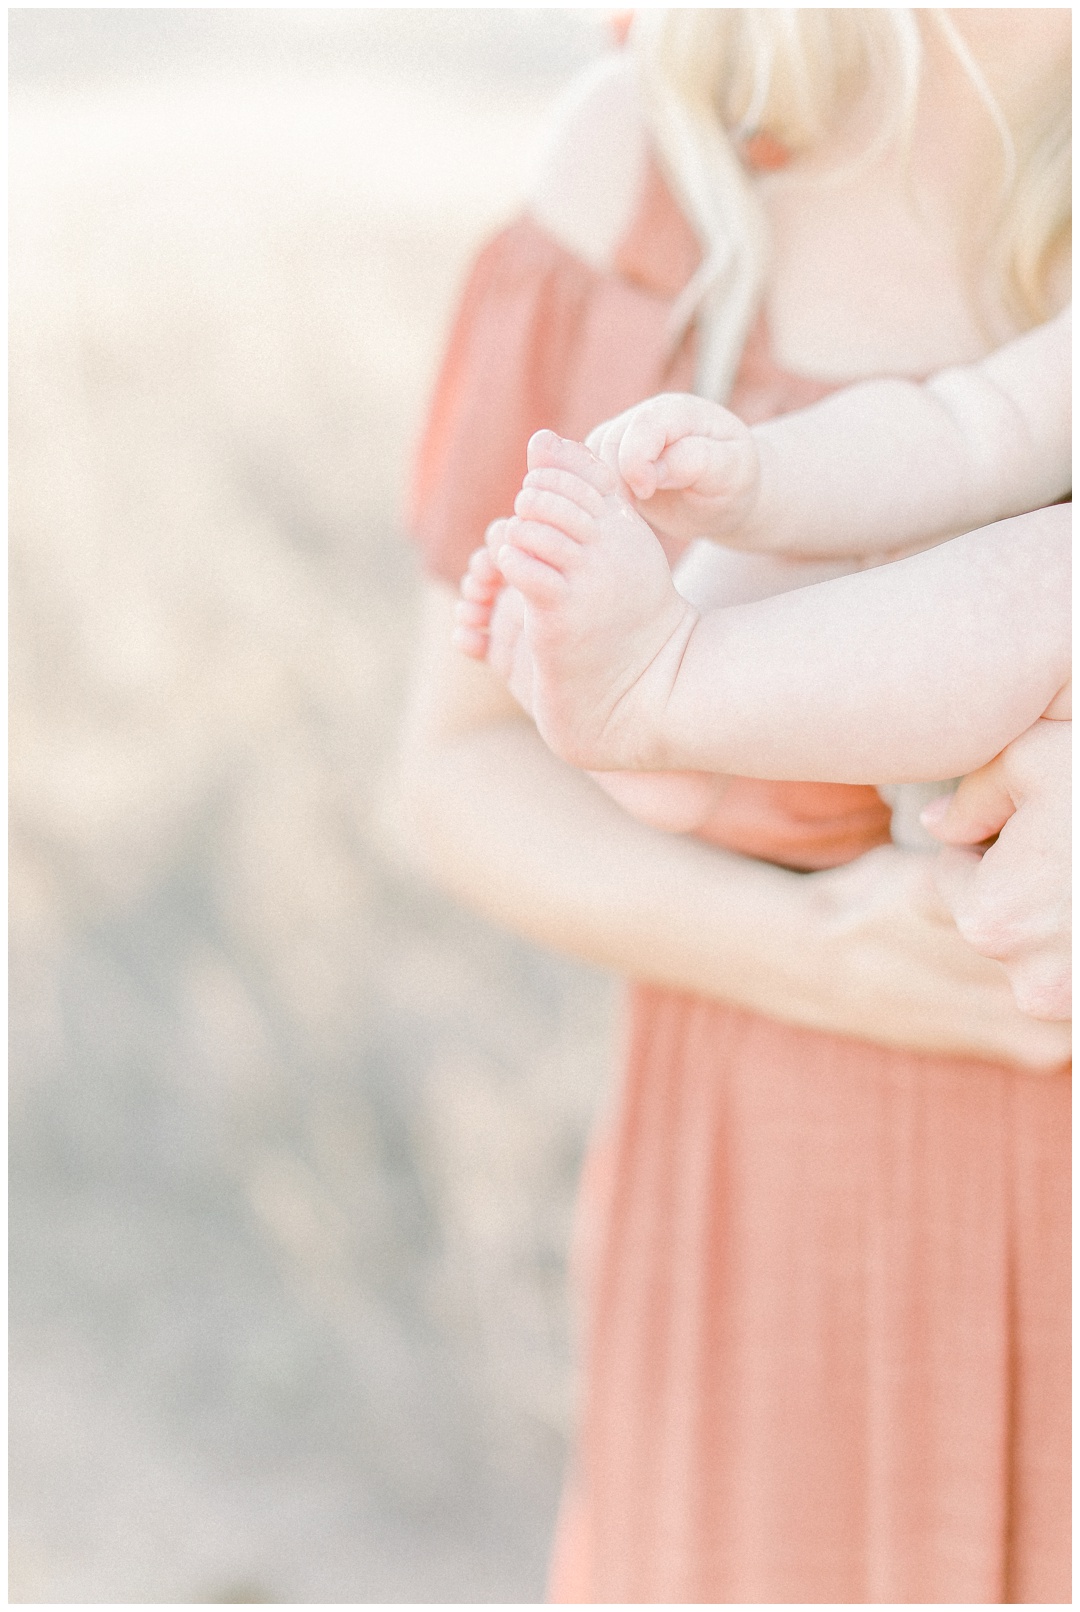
(546, 450)
(495, 536)
(472, 613)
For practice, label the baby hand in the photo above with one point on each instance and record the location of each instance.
(691, 466)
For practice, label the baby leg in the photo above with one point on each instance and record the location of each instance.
(603, 623)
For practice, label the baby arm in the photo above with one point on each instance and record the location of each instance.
(890, 462)
(924, 668)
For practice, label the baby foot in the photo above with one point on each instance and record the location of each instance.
(603, 630)
(477, 593)
(490, 619)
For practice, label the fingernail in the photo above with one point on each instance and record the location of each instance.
(934, 811)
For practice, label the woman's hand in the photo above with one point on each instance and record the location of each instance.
(1012, 901)
(895, 968)
(865, 950)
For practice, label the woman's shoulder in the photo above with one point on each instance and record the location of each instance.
(593, 164)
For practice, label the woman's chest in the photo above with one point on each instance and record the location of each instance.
(862, 284)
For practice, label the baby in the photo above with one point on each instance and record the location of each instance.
(925, 669)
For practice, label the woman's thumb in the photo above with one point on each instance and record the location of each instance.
(978, 809)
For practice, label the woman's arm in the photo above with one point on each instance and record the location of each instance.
(864, 951)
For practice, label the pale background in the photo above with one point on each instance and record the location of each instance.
(294, 1138)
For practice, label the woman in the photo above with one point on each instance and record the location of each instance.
(826, 1344)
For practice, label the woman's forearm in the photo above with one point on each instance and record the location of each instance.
(533, 844)
(861, 951)
(499, 821)
(492, 816)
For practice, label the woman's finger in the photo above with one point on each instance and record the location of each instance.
(978, 809)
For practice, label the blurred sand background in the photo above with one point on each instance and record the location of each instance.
(294, 1139)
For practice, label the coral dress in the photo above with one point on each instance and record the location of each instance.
(826, 1341)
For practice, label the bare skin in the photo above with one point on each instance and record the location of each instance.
(600, 563)
(865, 950)
(1011, 899)
(926, 668)
(888, 463)
(877, 467)
(547, 638)
(865, 281)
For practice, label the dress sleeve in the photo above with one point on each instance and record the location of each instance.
(541, 339)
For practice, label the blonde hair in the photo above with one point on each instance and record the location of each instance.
(711, 77)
